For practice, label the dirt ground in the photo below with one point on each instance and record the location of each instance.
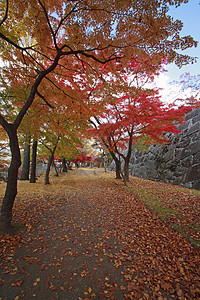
(84, 237)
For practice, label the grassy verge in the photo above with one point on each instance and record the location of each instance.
(178, 207)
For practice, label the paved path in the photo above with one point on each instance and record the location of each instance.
(90, 239)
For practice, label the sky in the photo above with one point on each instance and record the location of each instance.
(189, 14)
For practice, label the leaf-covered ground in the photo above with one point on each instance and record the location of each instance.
(87, 237)
(177, 206)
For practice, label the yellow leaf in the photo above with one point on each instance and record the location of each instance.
(106, 278)
(89, 290)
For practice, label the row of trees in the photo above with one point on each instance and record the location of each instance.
(62, 61)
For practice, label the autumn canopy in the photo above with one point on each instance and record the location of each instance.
(53, 53)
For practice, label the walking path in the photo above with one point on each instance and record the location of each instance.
(87, 238)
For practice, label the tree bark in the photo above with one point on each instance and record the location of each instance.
(64, 166)
(11, 129)
(33, 163)
(117, 165)
(26, 163)
(50, 161)
(11, 189)
(56, 169)
(126, 170)
(101, 163)
(127, 158)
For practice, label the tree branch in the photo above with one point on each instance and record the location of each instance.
(49, 24)
(4, 123)
(43, 98)
(6, 14)
(83, 52)
(67, 15)
(33, 91)
(13, 43)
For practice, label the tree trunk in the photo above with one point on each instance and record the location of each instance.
(124, 178)
(56, 169)
(50, 161)
(101, 163)
(105, 165)
(64, 166)
(117, 165)
(118, 169)
(127, 158)
(11, 189)
(33, 163)
(26, 163)
(126, 169)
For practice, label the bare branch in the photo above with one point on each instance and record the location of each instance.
(6, 14)
(63, 19)
(93, 123)
(33, 91)
(43, 98)
(61, 89)
(49, 24)
(83, 52)
(45, 145)
(13, 43)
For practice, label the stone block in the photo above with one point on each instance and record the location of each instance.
(191, 149)
(184, 142)
(187, 162)
(178, 154)
(182, 127)
(168, 175)
(195, 136)
(188, 185)
(196, 158)
(192, 114)
(152, 174)
(193, 173)
(176, 180)
(138, 160)
(168, 155)
(194, 128)
(180, 171)
(196, 185)
(196, 119)
(151, 164)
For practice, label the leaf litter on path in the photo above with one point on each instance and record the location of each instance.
(86, 238)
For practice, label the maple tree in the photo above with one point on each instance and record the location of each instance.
(39, 38)
(58, 134)
(134, 114)
(144, 118)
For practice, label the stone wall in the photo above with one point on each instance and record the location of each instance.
(177, 162)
